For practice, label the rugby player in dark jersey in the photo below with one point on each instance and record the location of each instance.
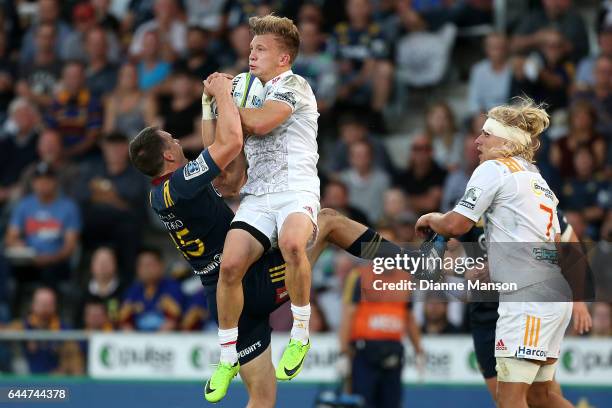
(197, 219)
(482, 310)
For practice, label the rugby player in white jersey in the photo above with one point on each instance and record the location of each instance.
(281, 197)
(517, 206)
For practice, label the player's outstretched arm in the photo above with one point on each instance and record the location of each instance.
(228, 132)
(261, 121)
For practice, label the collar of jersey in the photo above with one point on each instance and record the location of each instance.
(278, 77)
(158, 180)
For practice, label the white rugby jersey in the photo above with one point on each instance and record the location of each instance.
(286, 158)
(520, 218)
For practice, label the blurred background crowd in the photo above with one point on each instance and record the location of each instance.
(402, 87)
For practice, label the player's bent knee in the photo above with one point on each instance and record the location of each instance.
(539, 394)
(292, 249)
(232, 271)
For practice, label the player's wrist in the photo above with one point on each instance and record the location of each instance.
(207, 111)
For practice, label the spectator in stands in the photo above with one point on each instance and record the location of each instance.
(365, 182)
(602, 319)
(316, 66)
(353, 128)
(240, 41)
(199, 61)
(153, 69)
(582, 120)
(490, 78)
(601, 95)
(394, 204)
(75, 113)
(50, 150)
(138, 12)
(403, 227)
(456, 180)
(38, 78)
(531, 33)
(441, 129)
(585, 77)
(153, 302)
(423, 179)
(43, 232)
(127, 109)
(196, 314)
(83, 20)
(365, 72)
(43, 357)
(168, 24)
(96, 316)
(208, 15)
(545, 76)
(180, 113)
(48, 14)
(101, 76)
(104, 18)
(8, 76)
(436, 318)
(103, 286)
(17, 146)
(461, 13)
(112, 194)
(580, 193)
(336, 196)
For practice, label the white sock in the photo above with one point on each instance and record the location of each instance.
(227, 340)
(301, 320)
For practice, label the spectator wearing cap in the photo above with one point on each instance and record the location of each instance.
(46, 357)
(48, 13)
(43, 232)
(50, 150)
(18, 146)
(76, 113)
(423, 178)
(585, 77)
(153, 302)
(600, 96)
(101, 73)
(112, 195)
(38, 77)
(127, 109)
(366, 183)
(172, 31)
(83, 20)
(558, 14)
(336, 196)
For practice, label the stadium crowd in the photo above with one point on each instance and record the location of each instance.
(81, 249)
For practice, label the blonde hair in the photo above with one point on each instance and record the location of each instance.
(283, 29)
(527, 116)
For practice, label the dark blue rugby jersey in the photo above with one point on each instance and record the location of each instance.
(194, 214)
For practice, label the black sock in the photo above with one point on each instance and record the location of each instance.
(371, 245)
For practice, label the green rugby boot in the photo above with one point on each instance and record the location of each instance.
(292, 361)
(218, 383)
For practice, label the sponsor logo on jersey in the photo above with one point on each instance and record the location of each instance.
(536, 353)
(216, 262)
(539, 189)
(256, 101)
(249, 349)
(309, 209)
(500, 346)
(195, 168)
(281, 294)
(470, 197)
(288, 97)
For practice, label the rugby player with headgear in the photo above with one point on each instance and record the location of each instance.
(520, 220)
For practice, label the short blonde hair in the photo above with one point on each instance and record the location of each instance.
(527, 116)
(283, 29)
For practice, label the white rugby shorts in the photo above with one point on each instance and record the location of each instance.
(531, 330)
(267, 213)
